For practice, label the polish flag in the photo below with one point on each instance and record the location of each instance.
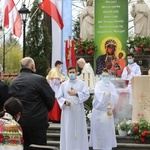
(54, 9)
(5, 15)
(11, 17)
(50, 7)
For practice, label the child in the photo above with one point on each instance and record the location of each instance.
(102, 136)
(10, 130)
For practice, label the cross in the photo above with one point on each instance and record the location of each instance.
(142, 96)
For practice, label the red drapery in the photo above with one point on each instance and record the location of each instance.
(70, 53)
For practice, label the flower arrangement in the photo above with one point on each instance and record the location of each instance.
(86, 47)
(138, 44)
(125, 125)
(141, 130)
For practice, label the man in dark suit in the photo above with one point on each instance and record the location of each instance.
(3, 94)
(37, 98)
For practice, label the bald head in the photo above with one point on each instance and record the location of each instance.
(28, 62)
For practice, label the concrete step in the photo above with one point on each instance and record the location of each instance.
(120, 139)
(132, 146)
(53, 143)
(53, 136)
(125, 139)
(120, 146)
(123, 142)
(55, 127)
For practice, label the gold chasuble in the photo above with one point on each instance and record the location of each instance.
(55, 74)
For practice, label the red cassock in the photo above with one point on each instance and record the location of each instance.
(70, 54)
(55, 114)
(55, 78)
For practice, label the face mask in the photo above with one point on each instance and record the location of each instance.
(72, 76)
(130, 61)
(106, 79)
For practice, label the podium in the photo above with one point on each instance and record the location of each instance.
(140, 97)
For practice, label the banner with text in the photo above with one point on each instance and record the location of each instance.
(111, 24)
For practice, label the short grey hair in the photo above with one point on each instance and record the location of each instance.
(81, 60)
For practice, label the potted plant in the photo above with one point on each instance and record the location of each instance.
(141, 130)
(124, 127)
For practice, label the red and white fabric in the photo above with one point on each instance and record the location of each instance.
(54, 9)
(11, 17)
(50, 7)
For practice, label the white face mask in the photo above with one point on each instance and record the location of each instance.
(130, 61)
(106, 79)
(72, 76)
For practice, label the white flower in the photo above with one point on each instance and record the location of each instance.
(89, 115)
(128, 122)
(129, 132)
(131, 50)
(132, 39)
(128, 41)
(128, 45)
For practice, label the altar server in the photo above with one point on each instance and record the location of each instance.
(102, 136)
(55, 77)
(132, 69)
(72, 94)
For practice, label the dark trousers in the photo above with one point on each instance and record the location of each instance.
(34, 136)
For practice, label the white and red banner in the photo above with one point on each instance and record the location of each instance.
(11, 17)
(50, 7)
(61, 13)
(54, 9)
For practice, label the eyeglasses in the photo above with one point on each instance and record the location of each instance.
(72, 72)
